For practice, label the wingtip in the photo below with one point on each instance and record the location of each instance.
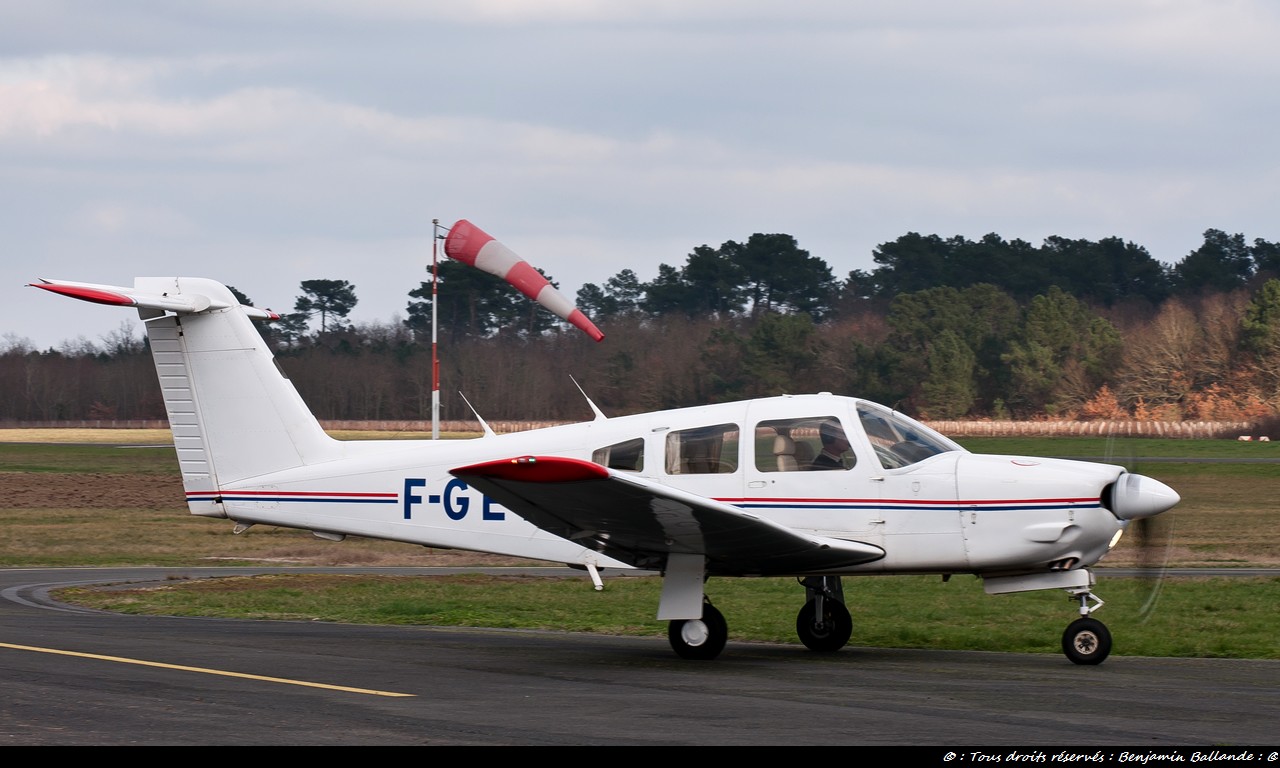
(94, 294)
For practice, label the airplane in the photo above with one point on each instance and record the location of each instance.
(812, 486)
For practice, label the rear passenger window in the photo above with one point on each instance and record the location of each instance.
(627, 456)
(703, 451)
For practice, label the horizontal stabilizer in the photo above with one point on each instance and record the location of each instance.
(181, 303)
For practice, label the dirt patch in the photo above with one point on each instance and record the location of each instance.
(56, 490)
(102, 512)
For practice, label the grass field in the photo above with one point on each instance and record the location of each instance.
(70, 504)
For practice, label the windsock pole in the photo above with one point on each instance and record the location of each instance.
(436, 237)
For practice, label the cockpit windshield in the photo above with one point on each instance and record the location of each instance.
(899, 440)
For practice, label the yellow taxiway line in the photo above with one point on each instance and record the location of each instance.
(203, 670)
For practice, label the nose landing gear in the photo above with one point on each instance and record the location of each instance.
(1086, 640)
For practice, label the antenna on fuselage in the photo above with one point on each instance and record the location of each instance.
(599, 414)
(483, 424)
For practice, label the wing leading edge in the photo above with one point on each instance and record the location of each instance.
(640, 522)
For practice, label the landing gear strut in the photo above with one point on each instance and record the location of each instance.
(824, 624)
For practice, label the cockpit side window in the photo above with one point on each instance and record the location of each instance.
(796, 445)
(627, 455)
(703, 451)
(898, 441)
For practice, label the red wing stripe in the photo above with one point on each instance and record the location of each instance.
(536, 469)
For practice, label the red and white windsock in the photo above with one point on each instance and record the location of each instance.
(471, 245)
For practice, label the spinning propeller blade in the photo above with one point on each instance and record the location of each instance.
(1152, 536)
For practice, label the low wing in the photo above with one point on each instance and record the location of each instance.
(640, 522)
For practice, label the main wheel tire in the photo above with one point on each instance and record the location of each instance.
(1086, 641)
(826, 634)
(699, 639)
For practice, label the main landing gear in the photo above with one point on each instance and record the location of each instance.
(823, 624)
(699, 639)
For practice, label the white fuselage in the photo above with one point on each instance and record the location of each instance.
(951, 511)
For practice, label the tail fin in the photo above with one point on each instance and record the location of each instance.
(233, 412)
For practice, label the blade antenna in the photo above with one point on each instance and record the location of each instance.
(599, 414)
(483, 424)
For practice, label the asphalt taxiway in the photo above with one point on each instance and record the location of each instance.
(79, 677)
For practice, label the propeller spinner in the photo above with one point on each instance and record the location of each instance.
(1132, 497)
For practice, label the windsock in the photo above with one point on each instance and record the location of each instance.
(471, 245)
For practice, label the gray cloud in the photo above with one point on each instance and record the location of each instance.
(264, 145)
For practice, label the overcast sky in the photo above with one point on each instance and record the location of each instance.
(267, 143)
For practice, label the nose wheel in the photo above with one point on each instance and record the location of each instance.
(1086, 641)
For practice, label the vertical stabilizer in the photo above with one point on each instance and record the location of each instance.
(233, 413)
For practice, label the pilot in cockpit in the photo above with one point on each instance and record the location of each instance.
(835, 444)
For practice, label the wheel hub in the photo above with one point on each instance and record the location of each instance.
(694, 632)
(1086, 642)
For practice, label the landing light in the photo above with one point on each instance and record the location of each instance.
(1115, 539)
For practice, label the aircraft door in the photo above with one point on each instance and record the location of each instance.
(916, 477)
(922, 525)
(802, 473)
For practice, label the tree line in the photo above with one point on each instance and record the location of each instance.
(942, 328)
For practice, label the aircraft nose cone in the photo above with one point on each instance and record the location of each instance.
(1137, 496)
